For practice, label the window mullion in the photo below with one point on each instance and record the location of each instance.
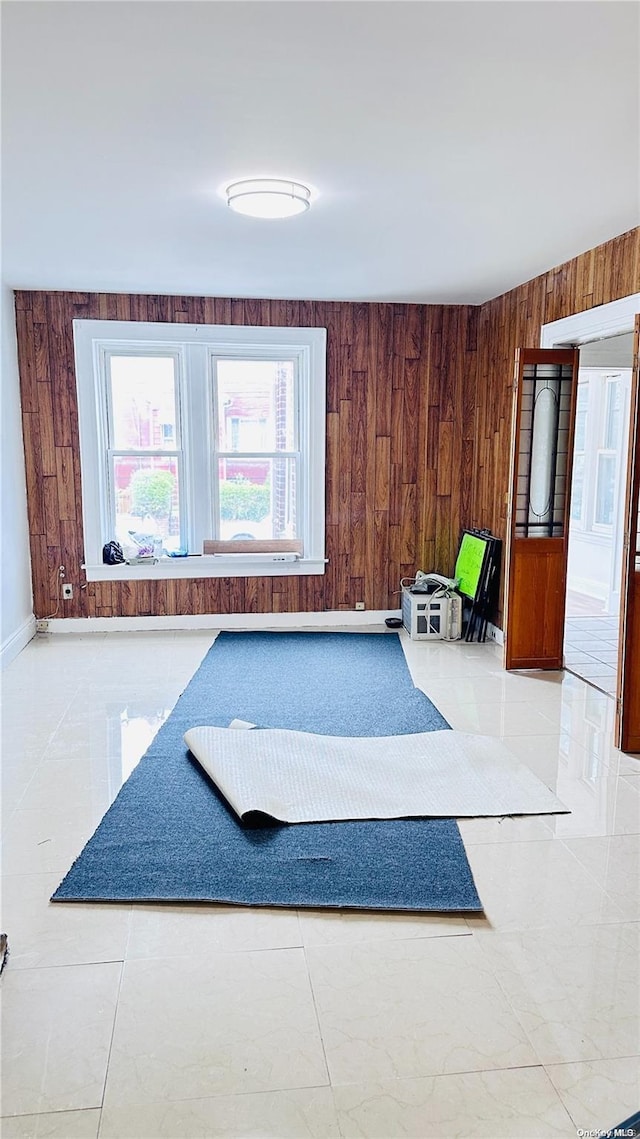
(259, 455)
(148, 453)
(199, 459)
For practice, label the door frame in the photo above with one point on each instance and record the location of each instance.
(601, 322)
(594, 324)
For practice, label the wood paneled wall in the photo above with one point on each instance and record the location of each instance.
(513, 320)
(401, 408)
(418, 433)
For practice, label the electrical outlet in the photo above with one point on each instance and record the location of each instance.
(42, 626)
(67, 592)
(359, 604)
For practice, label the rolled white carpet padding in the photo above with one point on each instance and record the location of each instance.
(298, 777)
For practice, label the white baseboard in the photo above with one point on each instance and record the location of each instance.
(495, 634)
(590, 587)
(17, 641)
(238, 621)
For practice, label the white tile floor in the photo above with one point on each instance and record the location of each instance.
(591, 650)
(142, 1022)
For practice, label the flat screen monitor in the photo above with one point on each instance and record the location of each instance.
(469, 564)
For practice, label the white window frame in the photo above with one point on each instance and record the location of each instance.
(602, 451)
(104, 409)
(579, 521)
(195, 347)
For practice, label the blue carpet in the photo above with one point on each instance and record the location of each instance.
(629, 1128)
(169, 836)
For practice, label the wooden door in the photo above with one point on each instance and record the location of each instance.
(628, 694)
(545, 388)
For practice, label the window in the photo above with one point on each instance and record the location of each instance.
(606, 461)
(599, 452)
(194, 434)
(256, 451)
(144, 476)
(579, 442)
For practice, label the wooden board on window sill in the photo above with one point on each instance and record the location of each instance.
(253, 546)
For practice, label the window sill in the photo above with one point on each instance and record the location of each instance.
(197, 565)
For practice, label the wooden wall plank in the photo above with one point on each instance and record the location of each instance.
(445, 458)
(333, 361)
(47, 441)
(38, 305)
(332, 469)
(26, 360)
(358, 432)
(59, 317)
(343, 378)
(383, 471)
(34, 476)
(42, 590)
(51, 509)
(66, 484)
(361, 337)
(358, 543)
(410, 420)
(382, 363)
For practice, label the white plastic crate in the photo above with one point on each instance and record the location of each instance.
(426, 617)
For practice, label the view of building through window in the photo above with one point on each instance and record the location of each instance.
(144, 442)
(256, 460)
(257, 445)
(597, 443)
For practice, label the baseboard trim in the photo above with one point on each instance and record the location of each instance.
(17, 641)
(495, 634)
(237, 621)
(590, 587)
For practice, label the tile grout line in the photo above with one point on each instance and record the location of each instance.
(113, 1031)
(496, 975)
(317, 1015)
(565, 840)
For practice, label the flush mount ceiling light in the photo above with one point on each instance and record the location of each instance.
(268, 197)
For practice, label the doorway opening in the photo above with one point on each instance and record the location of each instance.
(604, 337)
(596, 519)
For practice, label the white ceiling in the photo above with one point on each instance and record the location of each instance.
(457, 148)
